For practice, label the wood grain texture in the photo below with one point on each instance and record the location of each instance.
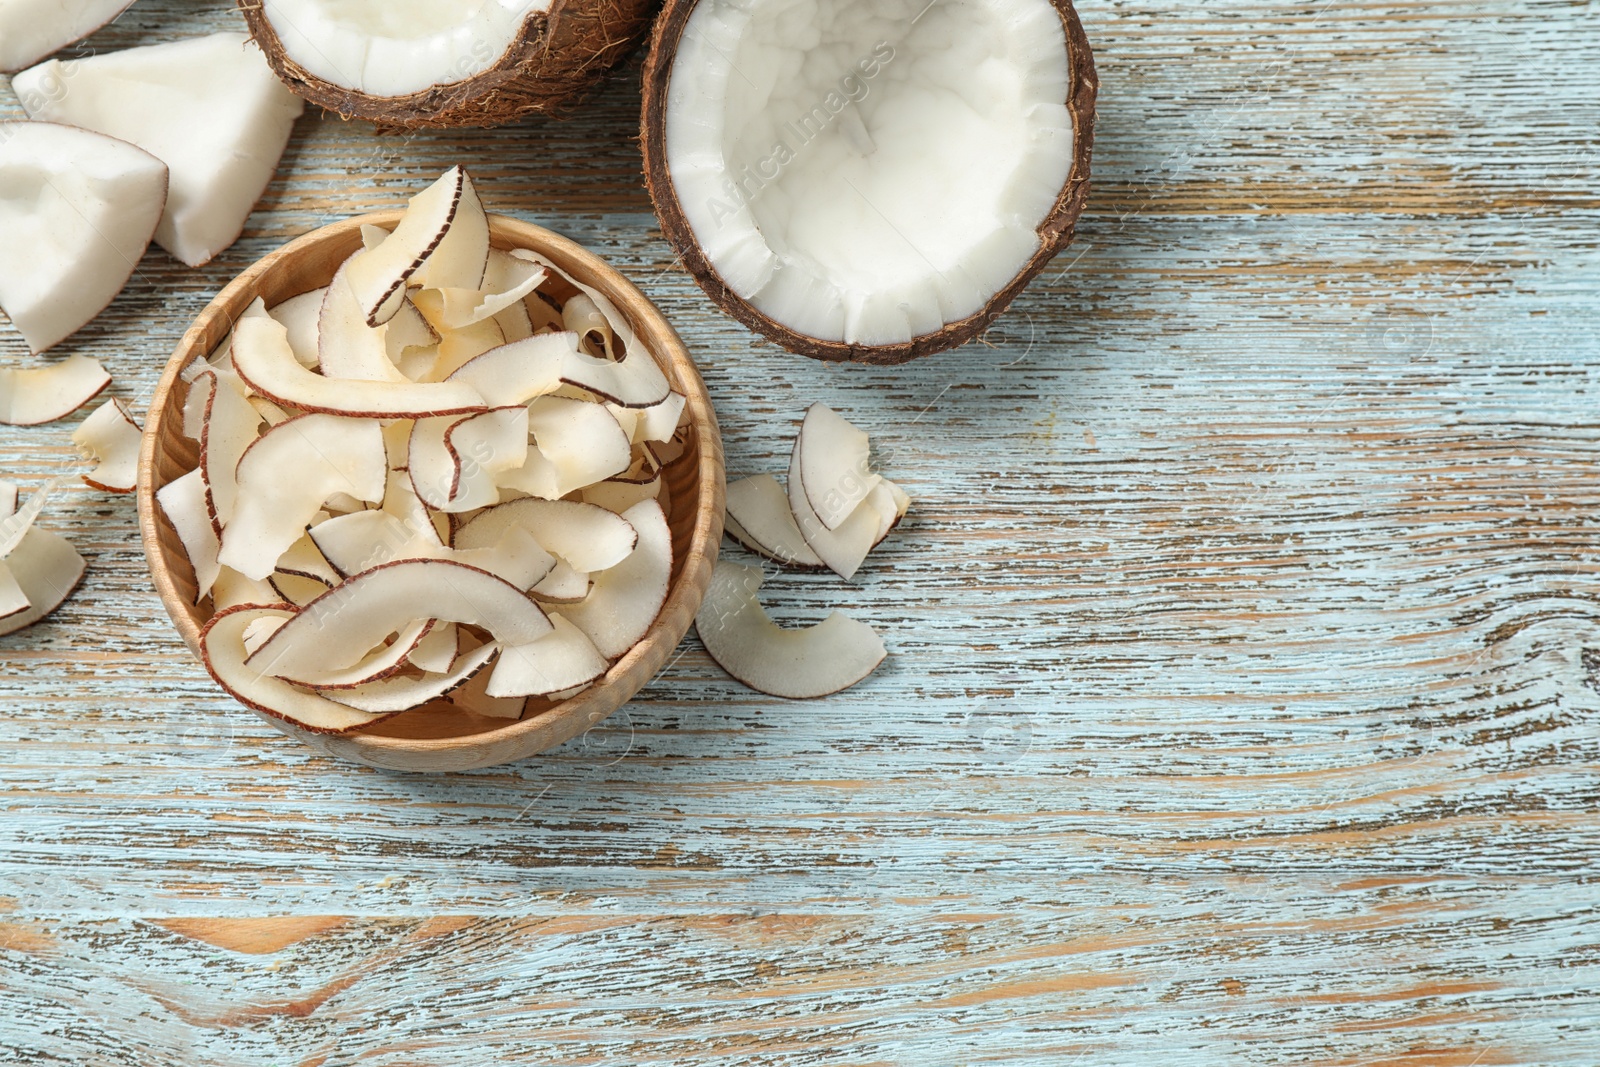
(1245, 636)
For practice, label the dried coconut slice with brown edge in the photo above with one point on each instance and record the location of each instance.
(111, 438)
(287, 474)
(384, 660)
(454, 460)
(230, 424)
(835, 459)
(77, 210)
(797, 664)
(576, 444)
(37, 395)
(540, 365)
(586, 537)
(869, 202)
(339, 628)
(446, 64)
(365, 539)
(222, 650)
(38, 569)
(563, 585)
(348, 348)
(472, 696)
(183, 503)
(46, 569)
(265, 361)
(625, 600)
(377, 276)
(560, 660)
(582, 316)
(842, 549)
(759, 518)
(404, 693)
(436, 652)
(454, 309)
(301, 317)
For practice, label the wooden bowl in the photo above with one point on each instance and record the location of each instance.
(440, 737)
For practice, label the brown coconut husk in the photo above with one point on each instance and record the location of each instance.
(1055, 231)
(556, 60)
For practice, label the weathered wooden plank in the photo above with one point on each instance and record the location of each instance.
(1245, 634)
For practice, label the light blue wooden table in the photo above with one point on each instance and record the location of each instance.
(1245, 636)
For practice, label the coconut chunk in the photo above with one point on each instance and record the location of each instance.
(559, 660)
(77, 210)
(834, 462)
(222, 650)
(377, 276)
(625, 600)
(287, 474)
(264, 359)
(111, 438)
(208, 107)
(33, 29)
(760, 519)
(799, 664)
(890, 180)
(183, 501)
(584, 536)
(36, 395)
(341, 627)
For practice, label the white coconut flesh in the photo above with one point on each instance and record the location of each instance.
(868, 171)
(209, 107)
(38, 569)
(364, 505)
(30, 396)
(796, 663)
(32, 29)
(77, 210)
(389, 48)
(111, 438)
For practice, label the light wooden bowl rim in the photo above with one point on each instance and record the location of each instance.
(520, 738)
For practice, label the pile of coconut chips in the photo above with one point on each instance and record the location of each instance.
(429, 480)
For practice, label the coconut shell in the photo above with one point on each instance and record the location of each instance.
(555, 60)
(1055, 231)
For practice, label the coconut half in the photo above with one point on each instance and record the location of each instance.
(208, 107)
(77, 210)
(868, 180)
(426, 63)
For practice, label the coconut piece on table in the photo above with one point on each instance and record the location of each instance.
(111, 438)
(77, 210)
(33, 29)
(796, 663)
(208, 107)
(33, 396)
